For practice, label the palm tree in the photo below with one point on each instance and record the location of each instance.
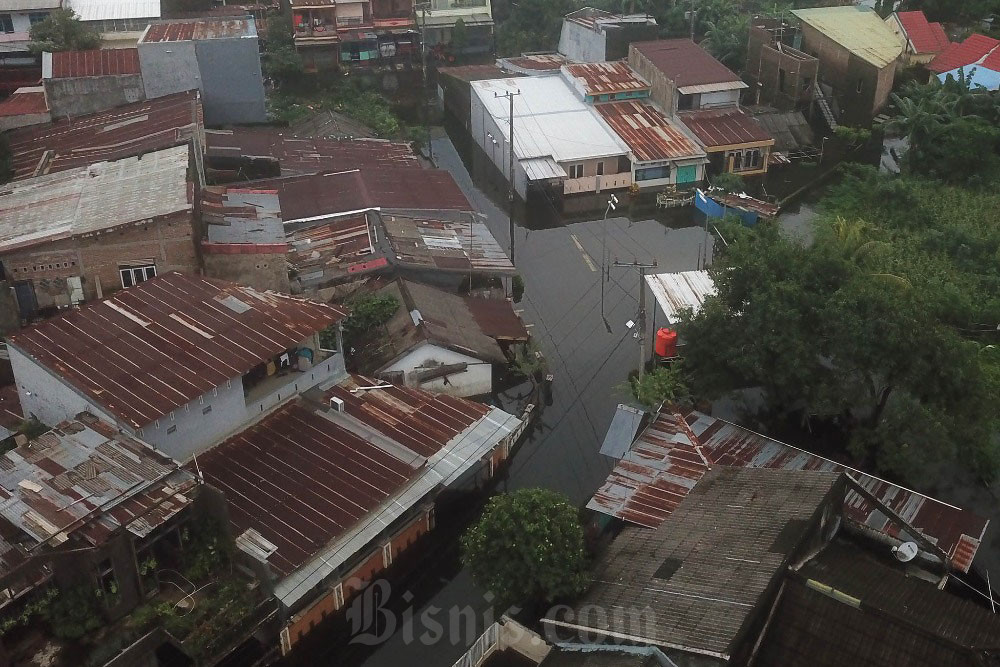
(919, 119)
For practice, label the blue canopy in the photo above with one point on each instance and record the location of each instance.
(977, 76)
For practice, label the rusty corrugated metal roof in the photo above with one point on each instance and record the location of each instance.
(461, 243)
(724, 127)
(685, 63)
(124, 131)
(180, 31)
(956, 531)
(155, 347)
(11, 414)
(29, 100)
(649, 134)
(85, 478)
(607, 78)
(96, 62)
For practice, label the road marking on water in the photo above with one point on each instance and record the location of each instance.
(583, 252)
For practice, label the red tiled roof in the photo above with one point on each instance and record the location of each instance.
(724, 127)
(649, 134)
(607, 78)
(961, 54)
(118, 133)
(685, 63)
(154, 347)
(24, 102)
(300, 480)
(926, 37)
(97, 62)
(992, 61)
(307, 155)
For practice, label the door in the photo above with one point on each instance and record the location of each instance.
(26, 302)
(688, 174)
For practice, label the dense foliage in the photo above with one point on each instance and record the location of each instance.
(74, 613)
(882, 327)
(952, 130)
(663, 384)
(281, 61)
(62, 30)
(527, 548)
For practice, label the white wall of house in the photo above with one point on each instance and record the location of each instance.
(722, 98)
(476, 380)
(581, 44)
(482, 126)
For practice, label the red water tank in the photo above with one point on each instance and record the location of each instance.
(666, 343)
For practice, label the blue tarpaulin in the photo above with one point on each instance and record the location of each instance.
(977, 76)
(714, 209)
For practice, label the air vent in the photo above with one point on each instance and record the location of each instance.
(336, 404)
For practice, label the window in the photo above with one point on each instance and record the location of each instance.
(172, 429)
(600, 168)
(37, 17)
(685, 102)
(338, 596)
(6, 23)
(861, 84)
(576, 171)
(107, 581)
(737, 160)
(206, 409)
(133, 275)
(652, 173)
(387, 555)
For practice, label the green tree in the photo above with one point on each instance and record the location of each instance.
(74, 613)
(727, 39)
(62, 30)
(531, 25)
(459, 36)
(281, 61)
(871, 328)
(664, 384)
(527, 548)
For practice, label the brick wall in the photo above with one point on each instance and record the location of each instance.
(167, 243)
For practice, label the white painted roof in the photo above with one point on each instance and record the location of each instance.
(102, 10)
(550, 120)
(676, 291)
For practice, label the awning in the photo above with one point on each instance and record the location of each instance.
(542, 168)
(712, 87)
(675, 292)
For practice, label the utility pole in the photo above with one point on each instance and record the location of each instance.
(641, 335)
(510, 94)
(423, 74)
(692, 20)
(612, 206)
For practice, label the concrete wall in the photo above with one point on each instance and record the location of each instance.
(476, 380)
(86, 95)
(260, 271)
(662, 90)
(581, 44)
(231, 81)
(24, 120)
(765, 65)
(482, 124)
(722, 98)
(591, 181)
(46, 396)
(844, 72)
(169, 67)
(167, 242)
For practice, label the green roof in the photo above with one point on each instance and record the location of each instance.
(857, 29)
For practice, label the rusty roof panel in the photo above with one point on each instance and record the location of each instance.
(650, 135)
(301, 480)
(154, 347)
(11, 414)
(423, 242)
(85, 478)
(30, 100)
(644, 486)
(662, 466)
(181, 31)
(306, 155)
(724, 127)
(97, 62)
(607, 78)
(686, 64)
(533, 62)
(124, 131)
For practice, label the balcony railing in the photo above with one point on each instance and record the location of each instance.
(597, 183)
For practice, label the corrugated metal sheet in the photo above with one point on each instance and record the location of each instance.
(542, 168)
(94, 199)
(241, 216)
(534, 62)
(106, 10)
(859, 30)
(155, 347)
(656, 473)
(98, 62)
(649, 134)
(686, 64)
(961, 54)
(304, 155)
(84, 478)
(622, 431)
(181, 31)
(458, 243)
(11, 414)
(676, 291)
(25, 101)
(607, 78)
(132, 129)
(725, 127)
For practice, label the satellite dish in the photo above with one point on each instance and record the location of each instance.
(906, 552)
